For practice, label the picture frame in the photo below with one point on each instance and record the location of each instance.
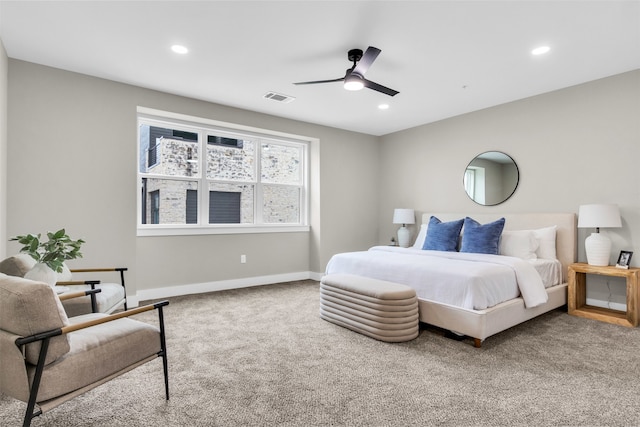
(624, 259)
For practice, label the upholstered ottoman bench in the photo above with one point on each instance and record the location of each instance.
(379, 309)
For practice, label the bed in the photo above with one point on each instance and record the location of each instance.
(479, 295)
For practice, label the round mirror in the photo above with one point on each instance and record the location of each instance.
(491, 178)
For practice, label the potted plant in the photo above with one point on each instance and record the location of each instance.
(50, 255)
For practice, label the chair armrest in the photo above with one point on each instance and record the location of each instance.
(112, 317)
(67, 329)
(97, 270)
(70, 295)
(78, 282)
(92, 283)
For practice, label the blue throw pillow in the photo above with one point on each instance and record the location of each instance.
(442, 236)
(481, 239)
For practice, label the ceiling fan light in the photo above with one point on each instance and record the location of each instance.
(353, 82)
(541, 50)
(179, 49)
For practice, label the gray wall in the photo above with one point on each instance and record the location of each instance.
(3, 148)
(72, 161)
(72, 154)
(574, 146)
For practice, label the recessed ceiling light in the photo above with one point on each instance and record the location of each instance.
(179, 49)
(540, 50)
(383, 106)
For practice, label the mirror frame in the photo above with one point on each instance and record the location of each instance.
(515, 185)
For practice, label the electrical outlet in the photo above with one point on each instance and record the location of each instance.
(243, 259)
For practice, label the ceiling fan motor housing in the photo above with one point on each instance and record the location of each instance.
(355, 55)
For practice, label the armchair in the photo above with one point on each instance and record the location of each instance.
(112, 297)
(49, 358)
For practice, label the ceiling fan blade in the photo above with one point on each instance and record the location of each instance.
(320, 81)
(367, 59)
(379, 88)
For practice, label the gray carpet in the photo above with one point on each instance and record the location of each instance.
(262, 357)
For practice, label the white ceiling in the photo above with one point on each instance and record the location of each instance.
(445, 57)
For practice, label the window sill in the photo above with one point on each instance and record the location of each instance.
(173, 230)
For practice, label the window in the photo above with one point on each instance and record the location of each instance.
(229, 142)
(198, 176)
(224, 207)
(469, 181)
(192, 207)
(154, 197)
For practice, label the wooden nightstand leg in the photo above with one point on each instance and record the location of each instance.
(571, 291)
(632, 299)
(581, 290)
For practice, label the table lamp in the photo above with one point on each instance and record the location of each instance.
(598, 246)
(404, 217)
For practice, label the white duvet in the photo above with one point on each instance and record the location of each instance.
(467, 280)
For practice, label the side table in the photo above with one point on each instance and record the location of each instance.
(577, 294)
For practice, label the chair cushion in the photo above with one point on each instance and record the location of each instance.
(110, 297)
(28, 308)
(17, 265)
(98, 352)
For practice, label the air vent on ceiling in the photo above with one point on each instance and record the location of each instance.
(279, 97)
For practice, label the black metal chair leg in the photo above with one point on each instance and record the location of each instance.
(163, 345)
(29, 415)
(94, 301)
(122, 270)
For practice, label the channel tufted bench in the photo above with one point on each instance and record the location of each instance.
(382, 310)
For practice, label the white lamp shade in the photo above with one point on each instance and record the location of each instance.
(596, 216)
(404, 216)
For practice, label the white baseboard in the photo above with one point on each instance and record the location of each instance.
(315, 276)
(199, 288)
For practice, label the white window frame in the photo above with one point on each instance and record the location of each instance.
(470, 181)
(203, 126)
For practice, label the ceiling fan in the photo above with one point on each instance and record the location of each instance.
(354, 77)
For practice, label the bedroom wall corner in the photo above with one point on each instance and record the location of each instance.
(4, 71)
(349, 194)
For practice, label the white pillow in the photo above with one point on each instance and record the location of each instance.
(422, 234)
(519, 243)
(547, 242)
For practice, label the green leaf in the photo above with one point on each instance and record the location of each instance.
(58, 248)
(33, 246)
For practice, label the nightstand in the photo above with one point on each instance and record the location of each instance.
(577, 294)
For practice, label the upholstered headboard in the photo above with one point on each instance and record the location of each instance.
(566, 233)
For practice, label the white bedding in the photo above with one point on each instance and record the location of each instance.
(472, 281)
(549, 270)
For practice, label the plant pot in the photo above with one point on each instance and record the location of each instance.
(65, 275)
(41, 272)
